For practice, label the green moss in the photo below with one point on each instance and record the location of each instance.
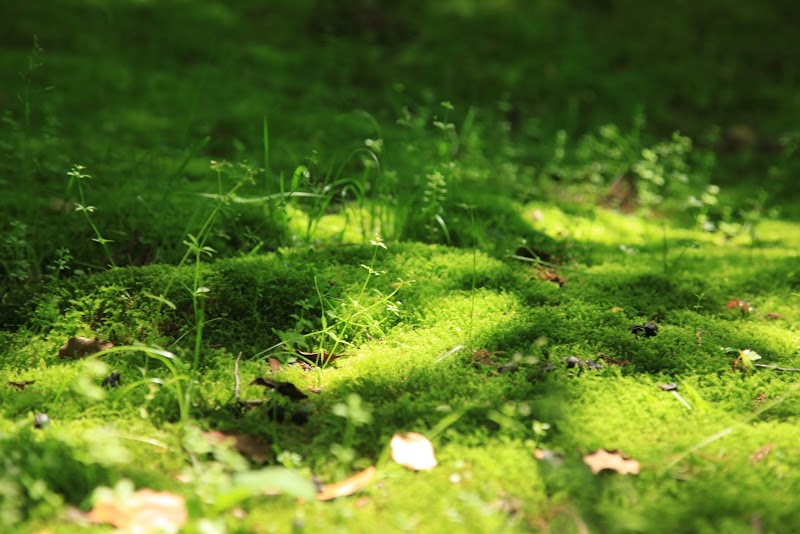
(448, 331)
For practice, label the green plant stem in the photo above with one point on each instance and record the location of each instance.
(99, 238)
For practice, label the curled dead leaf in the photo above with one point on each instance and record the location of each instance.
(22, 384)
(613, 460)
(143, 512)
(347, 486)
(413, 450)
(254, 447)
(77, 347)
(287, 389)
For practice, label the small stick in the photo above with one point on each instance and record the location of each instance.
(236, 375)
(678, 396)
(673, 388)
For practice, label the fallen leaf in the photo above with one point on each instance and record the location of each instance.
(21, 384)
(610, 360)
(484, 357)
(143, 512)
(254, 447)
(112, 380)
(274, 364)
(348, 486)
(772, 316)
(550, 275)
(77, 347)
(614, 460)
(318, 358)
(762, 453)
(287, 389)
(413, 450)
(41, 420)
(743, 305)
(314, 390)
(649, 329)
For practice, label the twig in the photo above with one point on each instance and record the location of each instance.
(699, 336)
(776, 368)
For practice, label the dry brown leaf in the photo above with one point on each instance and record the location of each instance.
(762, 453)
(550, 275)
(613, 460)
(274, 364)
(144, 512)
(77, 347)
(348, 486)
(21, 384)
(742, 305)
(413, 450)
(286, 389)
(254, 447)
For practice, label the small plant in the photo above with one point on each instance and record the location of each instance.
(76, 178)
(340, 323)
(356, 413)
(17, 258)
(61, 262)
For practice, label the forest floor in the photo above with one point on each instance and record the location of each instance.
(257, 264)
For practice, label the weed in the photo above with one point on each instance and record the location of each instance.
(61, 262)
(356, 413)
(356, 314)
(76, 178)
(17, 258)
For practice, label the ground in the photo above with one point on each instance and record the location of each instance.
(242, 248)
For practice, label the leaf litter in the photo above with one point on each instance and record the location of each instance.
(413, 450)
(347, 486)
(78, 347)
(611, 460)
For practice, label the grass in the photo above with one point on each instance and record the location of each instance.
(243, 161)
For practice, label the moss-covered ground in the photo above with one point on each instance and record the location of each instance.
(526, 230)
